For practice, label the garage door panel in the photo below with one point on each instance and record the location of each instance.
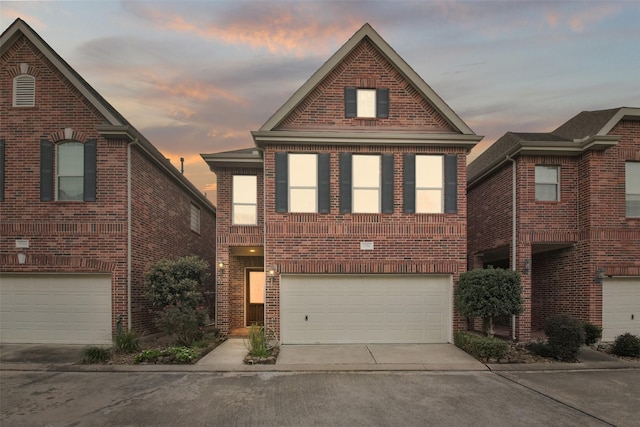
(620, 307)
(365, 309)
(60, 308)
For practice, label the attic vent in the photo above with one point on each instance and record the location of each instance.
(24, 91)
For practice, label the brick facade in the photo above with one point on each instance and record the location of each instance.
(72, 236)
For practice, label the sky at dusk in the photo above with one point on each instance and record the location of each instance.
(197, 76)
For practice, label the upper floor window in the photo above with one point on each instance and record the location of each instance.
(195, 218)
(70, 171)
(366, 103)
(303, 182)
(632, 188)
(429, 184)
(24, 91)
(245, 200)
(547, 180)
(366, 183)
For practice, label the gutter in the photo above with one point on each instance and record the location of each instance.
(513, 231)
(129, 228)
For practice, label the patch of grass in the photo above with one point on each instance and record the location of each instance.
(95, 354)
(259, 342)
(127, 342)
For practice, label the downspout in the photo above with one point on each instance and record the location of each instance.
(129, 218)
(513, 233)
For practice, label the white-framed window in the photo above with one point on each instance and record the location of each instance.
(632, 189)
(70, 171)
(24, 91)
(366, 179)
(303, 183)
(547, 180)
(429, 184)
(245, 200)
(366, 103)
(195, 218)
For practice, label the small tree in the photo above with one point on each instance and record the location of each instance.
(489, 293)
(174, 288)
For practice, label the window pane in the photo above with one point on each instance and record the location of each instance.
(546, 174)
(429, 201)
(366, 201)
(244, 214)
(70, 156)
(366, 103)
(256, 287)
(366, 171)
(302, 200)
(195, 218)
(245, 189)
(303, 170)
(429, 171)
(70, 188)
(546, 192)
(632, 185)
(633, 206)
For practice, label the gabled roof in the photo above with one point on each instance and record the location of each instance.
(589, 130)
(365, 32)
(117, 126)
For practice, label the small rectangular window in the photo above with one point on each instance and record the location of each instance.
(547, 183)
(366, 183)
(195, 218)
(70, 171)
(303, 183)
(429, 184)
(366, 103)
(245, 200)
(632, 189)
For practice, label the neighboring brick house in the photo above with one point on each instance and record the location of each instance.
(353, 202)
(563, 208)
(86, 204)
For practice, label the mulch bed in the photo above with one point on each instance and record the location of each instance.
(160, 342)
(256, 360)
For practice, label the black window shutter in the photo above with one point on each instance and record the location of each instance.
(409, 183)
(90, 160)
(345, 182)
(382, 100)
(387, 183)
(450, 183)
(282, 182)
(350, 106)
(1, 170)
(323, 182)
(46, 170)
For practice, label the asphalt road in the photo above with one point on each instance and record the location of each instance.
(578, 398)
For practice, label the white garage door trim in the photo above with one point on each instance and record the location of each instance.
(55, 308)
(620, 307)
(332, 309)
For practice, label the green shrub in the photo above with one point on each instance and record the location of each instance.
(183, 321)
(127, 342)
(481, 347)
(178, 354)
(488, 293)
(182, 354)
(260, 341)
(565, 335)
(592, 333)
(626, 345)
(95, 354)
(150, 355)
(540, 348)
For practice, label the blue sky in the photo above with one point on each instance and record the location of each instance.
(197, 76)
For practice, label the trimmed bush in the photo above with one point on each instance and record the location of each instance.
(565, 336)
(592, 333)
(627, 345)
(481, 347)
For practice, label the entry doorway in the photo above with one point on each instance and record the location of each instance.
(255, 287)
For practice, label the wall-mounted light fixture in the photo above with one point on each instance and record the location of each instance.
(527, 266)
(22, 257)
(599, 276)
(220, 266)
(272, 273)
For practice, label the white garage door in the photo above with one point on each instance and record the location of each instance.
(620, 307)
(332, 309)
(55, 308)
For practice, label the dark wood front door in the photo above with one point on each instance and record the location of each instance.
(255, 296)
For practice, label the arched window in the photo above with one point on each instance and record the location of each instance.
(69, 171)
(24, 91)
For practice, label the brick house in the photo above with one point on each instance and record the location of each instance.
(86, 204)
(563, 208)
(346, 222)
